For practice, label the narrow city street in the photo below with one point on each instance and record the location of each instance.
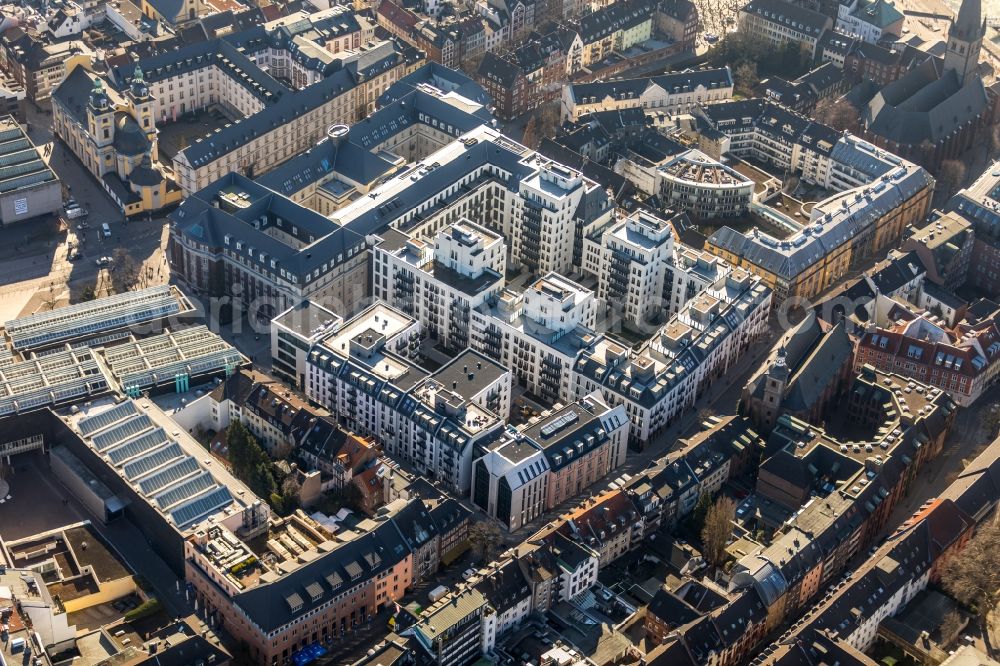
(721, 399)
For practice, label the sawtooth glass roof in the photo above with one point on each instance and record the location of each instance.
(97, 316)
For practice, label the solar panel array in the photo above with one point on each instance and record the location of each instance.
(201, 507)
(26, 180)
(133, 449)
(186, 490)
(104, 419)
(156, 482)
(128, 309)
(21, 165)
(147, 441)
(154, 464)
(145, 464)
(121, 432)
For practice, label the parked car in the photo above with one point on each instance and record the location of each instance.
(74, 255)
(104, 261)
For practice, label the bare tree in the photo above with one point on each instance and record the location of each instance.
(972, 576)
(717, 530)
(745, 78)
(83, 293)
(470, 63)
(952, 623)
(718, 15)
(548, 119)
(125, 271)
(994, 141)
(531, 138)
(838, 114)
(950, 177)
(484, 536)
(49, 297)
(989, 419)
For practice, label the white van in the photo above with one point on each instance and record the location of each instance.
(106, 230)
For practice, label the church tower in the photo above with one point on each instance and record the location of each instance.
(774, 389)
(99, 115)
(965, 39)
(142, 104)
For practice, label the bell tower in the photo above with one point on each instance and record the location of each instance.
(965, 40)
(774, 389)
(142, 103)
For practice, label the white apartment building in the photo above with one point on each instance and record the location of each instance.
(538, 333)
(544, 219)
(643, 272)
(695, 183)
(433, 421)
(631, 266)
(690, 272)
(440, 283)
(516, 470)
(293, 333)
(696, 346)
(538, 466)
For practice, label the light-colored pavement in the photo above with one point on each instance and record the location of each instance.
(34, 256)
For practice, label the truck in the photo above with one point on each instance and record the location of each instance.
(75, 212)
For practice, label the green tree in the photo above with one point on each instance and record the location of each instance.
(249, 461)
(700, 511)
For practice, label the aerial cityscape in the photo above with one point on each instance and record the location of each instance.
(499, 332)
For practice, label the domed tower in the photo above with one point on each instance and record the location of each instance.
(965, 40)
(142, 103)
(99, 115)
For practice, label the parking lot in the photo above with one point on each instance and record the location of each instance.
(34, 255)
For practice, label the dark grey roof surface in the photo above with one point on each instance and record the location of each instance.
(469, 373)
(370, 554)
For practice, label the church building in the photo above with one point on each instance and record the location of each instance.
(941, 108)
